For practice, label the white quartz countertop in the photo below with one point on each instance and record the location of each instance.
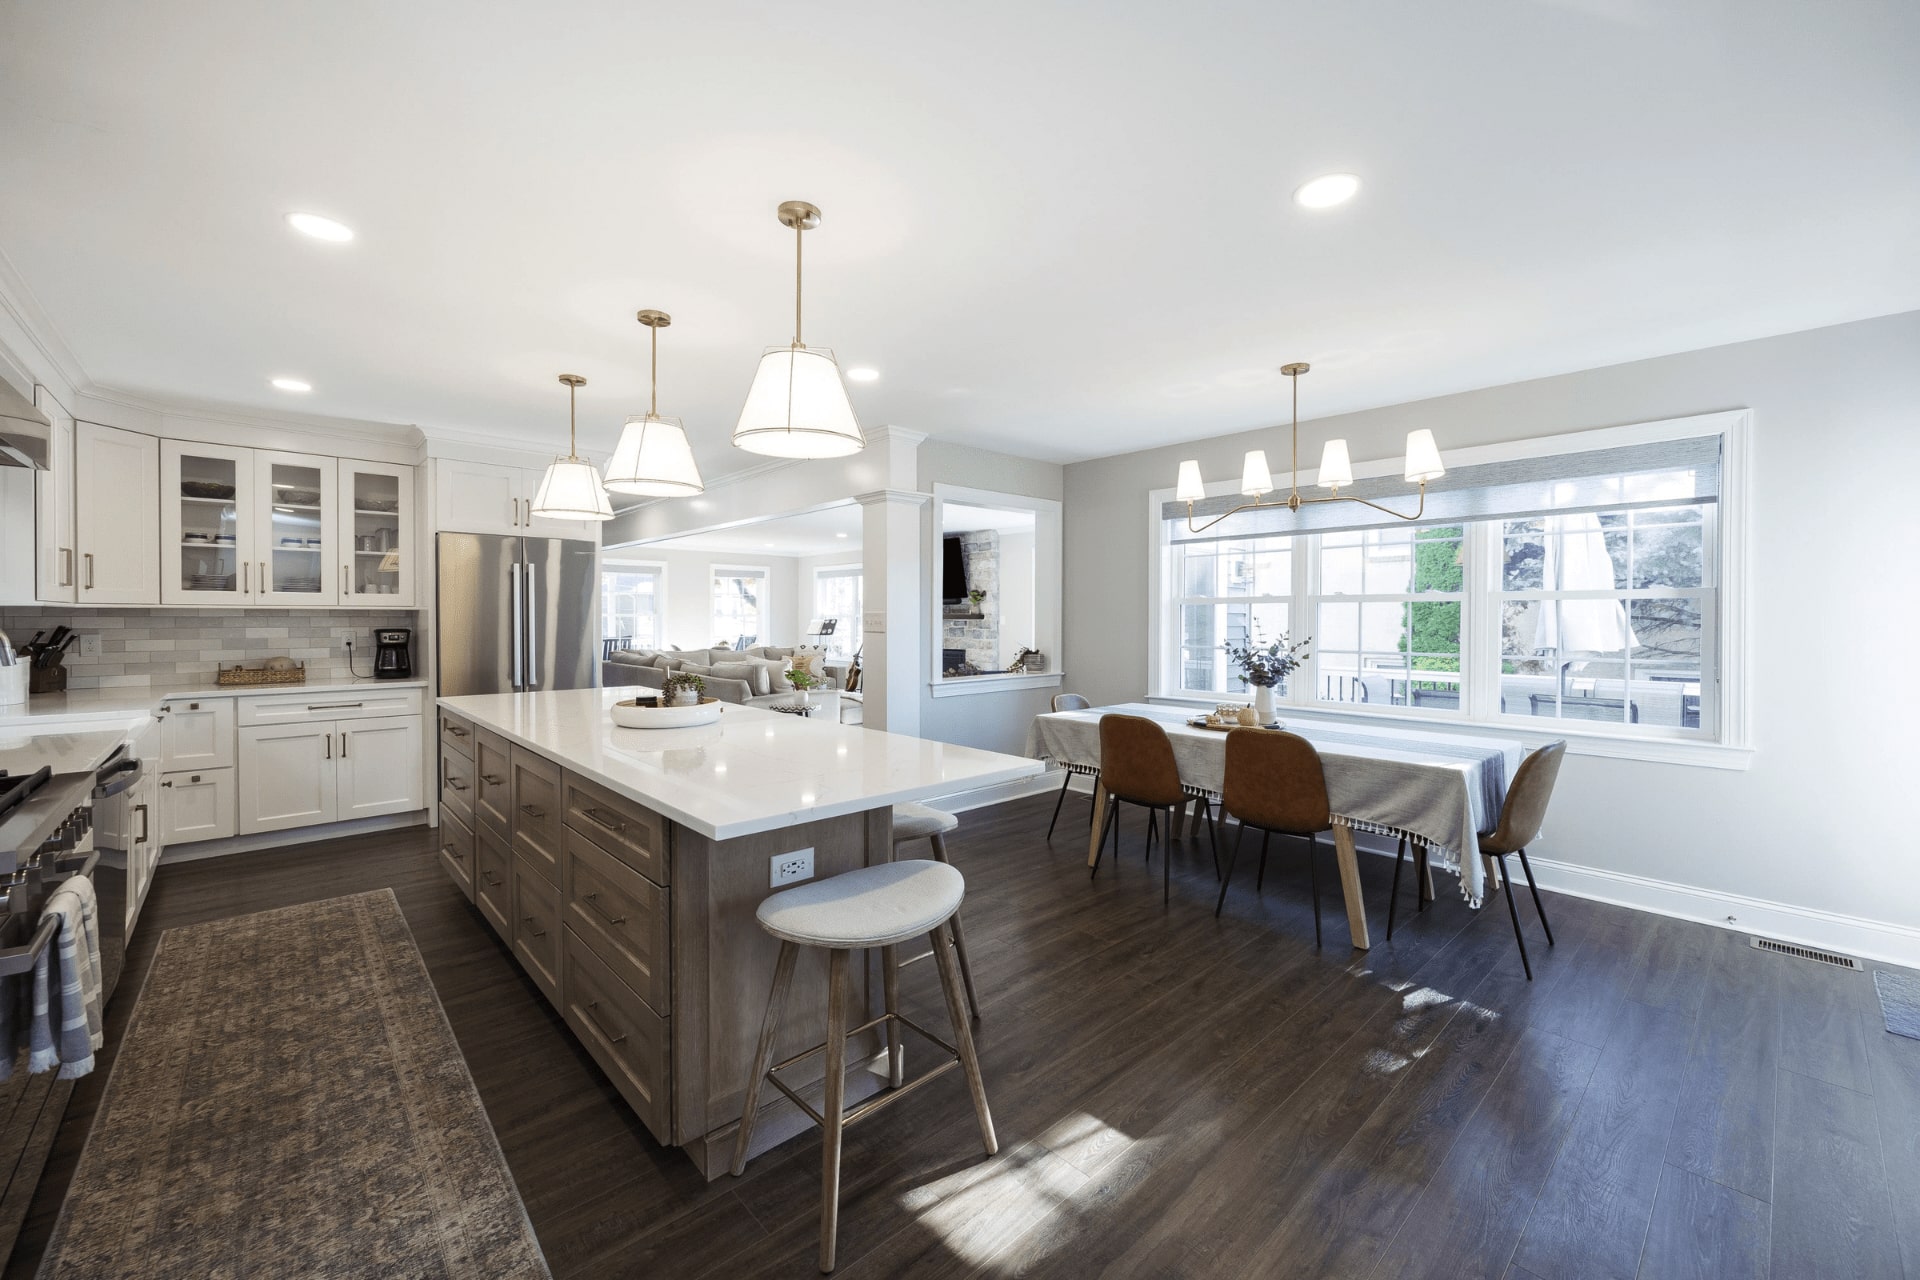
(134, 701)
(755, 770)
(23, 751)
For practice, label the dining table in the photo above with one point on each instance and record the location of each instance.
(1438, 788)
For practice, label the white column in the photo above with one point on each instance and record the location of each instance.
(893, 665)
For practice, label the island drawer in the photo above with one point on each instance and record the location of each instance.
(456, 735)
(634, 834)
(456, 786)
(356, 703)
(493, 880)
(536, 926)
(626, 1038)
(456, 850)
(620, 915)
(536, 811)
(493, 783)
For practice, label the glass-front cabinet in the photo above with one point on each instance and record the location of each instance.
(376, 518)
(206, 517)
(296, 539)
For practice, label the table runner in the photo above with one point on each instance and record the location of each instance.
(1439, 787)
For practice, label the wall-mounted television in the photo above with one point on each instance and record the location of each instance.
(953, 569)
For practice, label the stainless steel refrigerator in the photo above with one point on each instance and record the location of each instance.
(516, 614)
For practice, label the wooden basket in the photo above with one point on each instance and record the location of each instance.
(238, 675)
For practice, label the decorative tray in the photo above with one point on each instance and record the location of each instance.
(296, 674)
(1201, 722)
(647, 713)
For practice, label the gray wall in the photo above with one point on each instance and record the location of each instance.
(1816, 821)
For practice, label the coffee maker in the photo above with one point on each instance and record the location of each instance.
(393, 653)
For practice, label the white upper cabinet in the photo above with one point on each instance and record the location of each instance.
(377, 541)
(56, 563)
(483, 497)
(296, 532)
(206, 524)
(115, 514)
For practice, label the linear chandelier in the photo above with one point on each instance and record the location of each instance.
(1336, 470)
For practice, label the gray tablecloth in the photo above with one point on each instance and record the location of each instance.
(1439, 787)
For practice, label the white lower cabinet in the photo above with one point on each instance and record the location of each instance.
(305, 773)
(378, 767)
(197, 806)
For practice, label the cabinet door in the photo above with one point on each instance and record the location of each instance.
(287, 776)
(56, 565)
(379, 767)
(196, 734)
(197, 806)
(376, 533)
(206, 524)
(296, 530)
(115, 513)
(478, 497)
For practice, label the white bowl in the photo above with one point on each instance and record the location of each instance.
(647, 713)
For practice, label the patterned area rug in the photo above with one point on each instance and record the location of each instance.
(290, 1101)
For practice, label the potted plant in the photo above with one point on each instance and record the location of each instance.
(976, 598)
(683, 689)
(803, 680)
(1265, 666)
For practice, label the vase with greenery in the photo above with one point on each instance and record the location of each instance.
(1265, 667)
(803, 680)
(683, 689)
(976, 598)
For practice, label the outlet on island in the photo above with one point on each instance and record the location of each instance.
(790, 868)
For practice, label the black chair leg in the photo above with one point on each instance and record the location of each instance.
(1233, 855)
(1100, 847)
(1420, 874)
(1506, 882)
(1153, 822)
(1393, 896)
(1313, 878)
(1526, 867)
(1260, 881)
(1064, 784)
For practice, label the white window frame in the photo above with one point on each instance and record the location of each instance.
(659, 570)
(765, 611)
(1727, 628)
(857, 571)
(1047, 580)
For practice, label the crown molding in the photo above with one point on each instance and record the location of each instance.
(18, 301)
(167, 408)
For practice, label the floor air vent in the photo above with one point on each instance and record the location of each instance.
(1806, 953)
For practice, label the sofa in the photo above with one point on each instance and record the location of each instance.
(649, 668)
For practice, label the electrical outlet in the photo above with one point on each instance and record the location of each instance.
(90, 645)
(789, 868)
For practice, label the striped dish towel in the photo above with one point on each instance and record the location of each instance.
(66, 986)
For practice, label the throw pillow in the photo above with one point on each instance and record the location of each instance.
(747, 673)
(665, 663)
(773, 676)
(694, 669)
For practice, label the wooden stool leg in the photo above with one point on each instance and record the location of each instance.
(963, 1039)
(939, 844)
(763, 1056)
(890, 981)
(834, 1106)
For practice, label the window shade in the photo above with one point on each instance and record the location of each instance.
(1662, 473)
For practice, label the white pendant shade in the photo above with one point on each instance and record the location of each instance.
(571, 490)
(1255, 479)
(1336, 469)
(797, 407)
(1191, 489)
(1423, 457)
(653, 458)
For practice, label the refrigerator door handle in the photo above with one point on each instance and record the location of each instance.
(517, 610)
(533, 629)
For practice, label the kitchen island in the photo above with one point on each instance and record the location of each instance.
(623, 867)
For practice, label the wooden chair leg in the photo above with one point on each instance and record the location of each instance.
(890, 982)
(939, 843)
(1313, 878)
(1506, 882)
(1233, 856)
(963, 1040)
(833, 1107)
(763, 1055)
(1426, 871)
(1542, 911)
(1064, 784)
(1393, 895)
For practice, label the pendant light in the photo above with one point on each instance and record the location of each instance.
(653, 457)
(571, 489)
(797, 406)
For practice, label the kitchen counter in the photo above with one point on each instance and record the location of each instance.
(754, 771)
(134, 701)
(25, 750)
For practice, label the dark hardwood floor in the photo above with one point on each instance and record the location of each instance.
(1180, 1096)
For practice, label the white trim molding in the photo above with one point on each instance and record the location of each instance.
(1048, 584)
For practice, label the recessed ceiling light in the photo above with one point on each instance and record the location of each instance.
(862, 374)
(292, 384)
(320, 228)
(1324, 193)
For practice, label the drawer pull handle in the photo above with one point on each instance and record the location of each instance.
(538, 933)
(451, 852)
(593, 900)
(533, 812)
(334, 706)
(489, 877)
(588, 1012)
(609, 823)
(493, 779)
(456, 731)
(456, 786)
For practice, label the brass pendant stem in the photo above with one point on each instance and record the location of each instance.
(573, 382)
(799, 249)
(653, 374)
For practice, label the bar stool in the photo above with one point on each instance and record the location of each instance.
(878, 906)
(922, 822)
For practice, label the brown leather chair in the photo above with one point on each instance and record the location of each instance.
(1275, 785)
(1520, 818)
(1137, 766)
(1070, 702)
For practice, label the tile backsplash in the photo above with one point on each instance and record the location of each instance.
(169, 646)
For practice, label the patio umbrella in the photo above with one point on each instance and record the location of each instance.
(1578, 560)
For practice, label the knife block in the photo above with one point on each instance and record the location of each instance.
(46, 679)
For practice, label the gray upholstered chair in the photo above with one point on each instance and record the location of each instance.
(1519, 826)
(1070, 702)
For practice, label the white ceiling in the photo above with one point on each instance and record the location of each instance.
(1056, 229)
(829, 531)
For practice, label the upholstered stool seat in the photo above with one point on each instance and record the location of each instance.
(875, 906)
(920, 822)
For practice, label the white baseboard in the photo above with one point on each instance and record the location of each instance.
(281, 839)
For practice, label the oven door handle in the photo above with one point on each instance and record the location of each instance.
(115, 779)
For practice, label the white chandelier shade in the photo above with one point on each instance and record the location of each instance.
(1423, 457)
(1255, 479)
(654, 459)
(797, 407)
(1192, 488)
(1336, 469)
